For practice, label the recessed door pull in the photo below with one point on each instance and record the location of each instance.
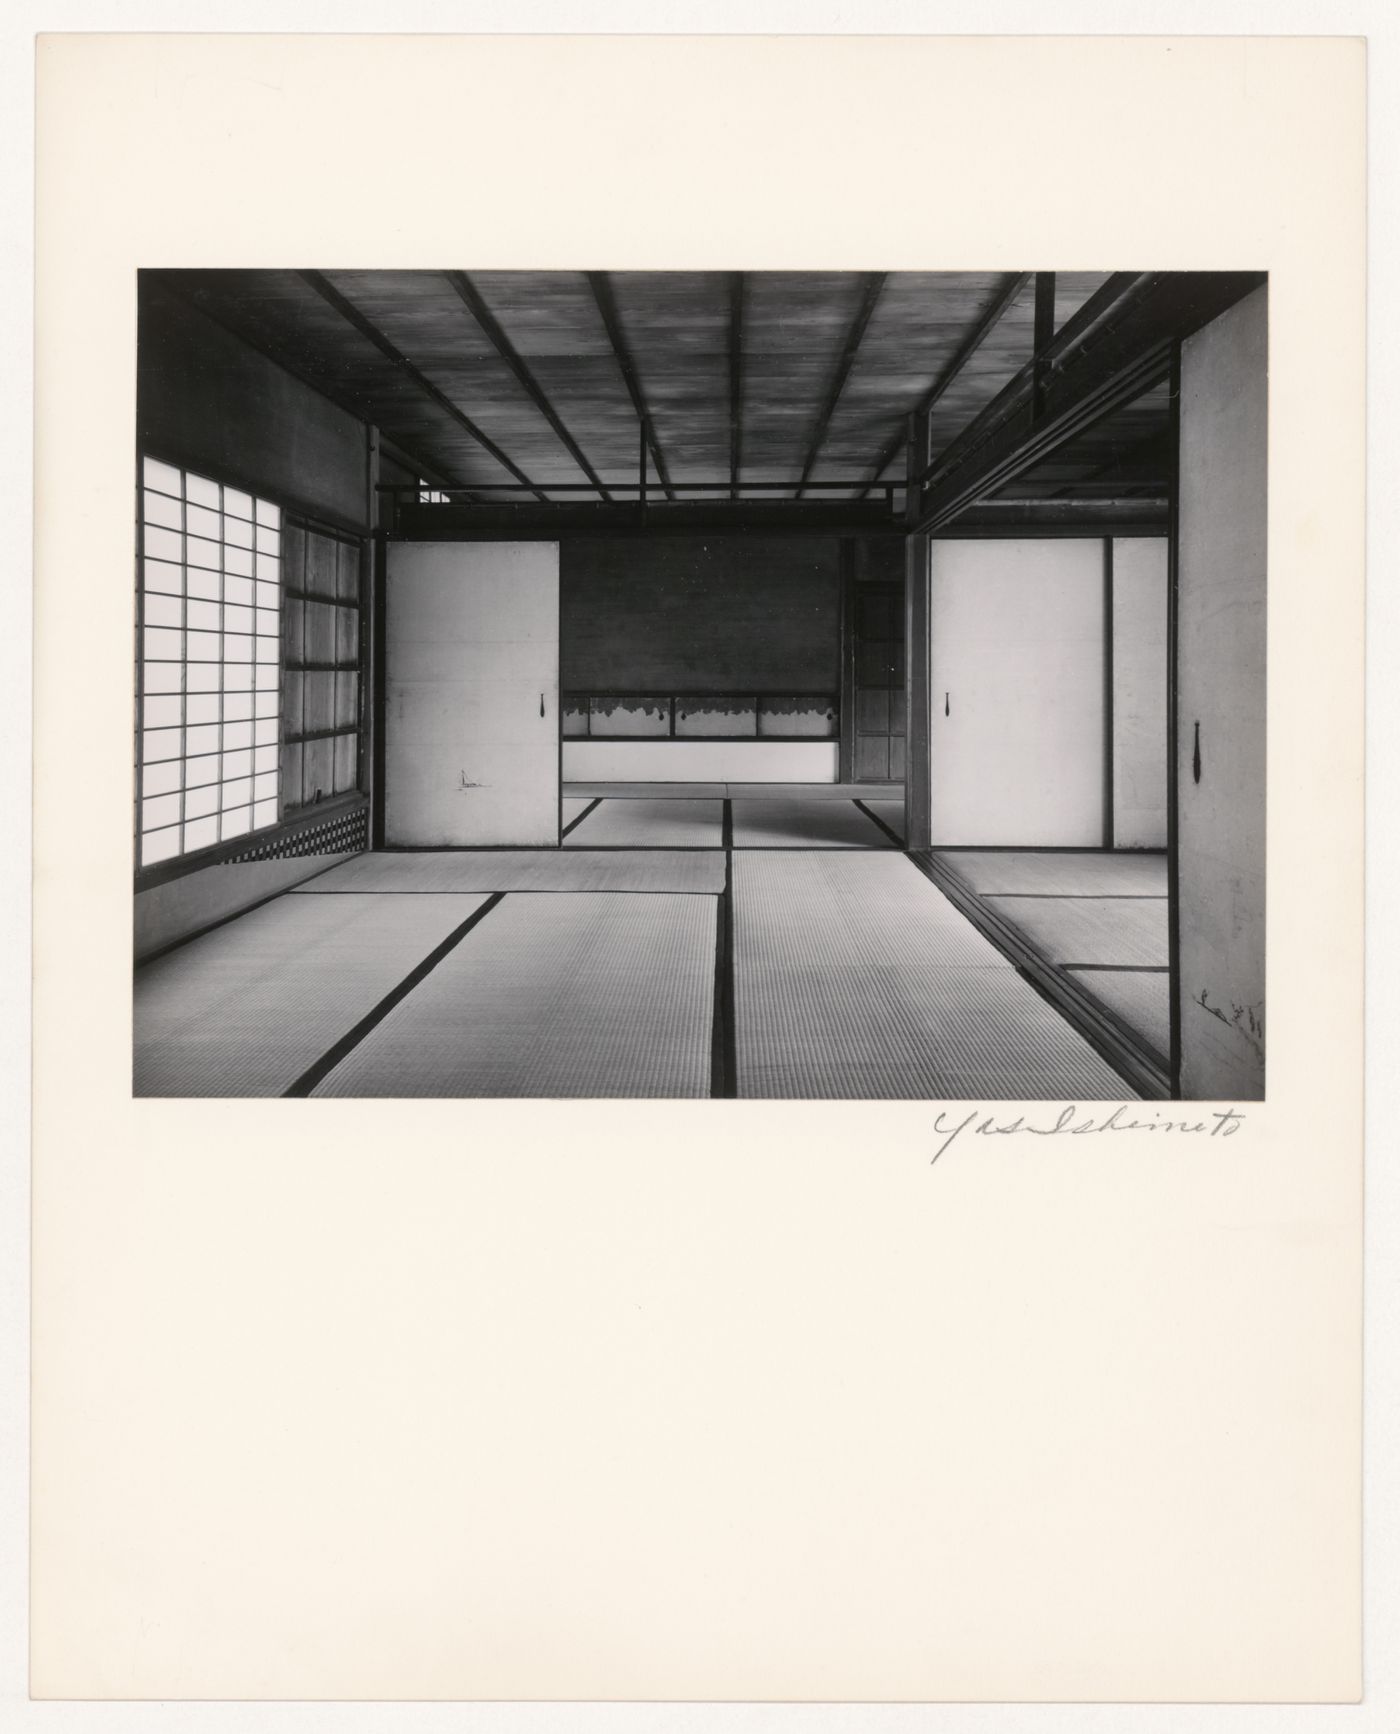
(541, 704)
(946, 710)
(1196, 756)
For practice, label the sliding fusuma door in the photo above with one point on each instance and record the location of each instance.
(1017, 711)
(471, 718)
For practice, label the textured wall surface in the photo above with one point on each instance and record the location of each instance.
(206, 400)
(705, 615)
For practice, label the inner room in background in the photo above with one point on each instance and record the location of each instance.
(684, 684)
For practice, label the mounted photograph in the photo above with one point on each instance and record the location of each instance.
(680, 684)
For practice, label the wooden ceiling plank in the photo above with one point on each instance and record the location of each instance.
(874, 283)
(476, 306)
(1008, 292)
(329, 293)
(607, 308)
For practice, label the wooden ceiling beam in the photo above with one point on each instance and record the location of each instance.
(1005, 295)
(471, 299)
(368, 329)
(874, 283)
(601, 286)
(1098, 363)
(1148, 463)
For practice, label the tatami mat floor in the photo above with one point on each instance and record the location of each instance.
(246, 1009)
(810, 958)
(854, 977)
(579, 995)
(649, 824)
(1099, 915)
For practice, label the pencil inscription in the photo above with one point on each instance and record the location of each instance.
(1217, 1123)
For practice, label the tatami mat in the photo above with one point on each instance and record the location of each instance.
(1119, 873)
(856, 978)
(805, 824)
(244, 1010)
(523, 870)
(650, 824)
(890, 813)
(1142, 998)
(554, 996)
(1124, 930)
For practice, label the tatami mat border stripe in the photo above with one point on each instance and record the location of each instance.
(578, 818)
(352, 1038)
(875, 818)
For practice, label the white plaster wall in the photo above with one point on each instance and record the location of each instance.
(472, 710)
(1140, 692)
(700, 761)
(1016, 749)
(1221, 670)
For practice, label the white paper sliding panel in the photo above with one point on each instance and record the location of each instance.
(1017, 675)
(472, 714)
(1140, 692)
(1220, 738)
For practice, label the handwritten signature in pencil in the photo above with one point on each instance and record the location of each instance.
(1217, 1123)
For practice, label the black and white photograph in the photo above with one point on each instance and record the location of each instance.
(700, 683)
(749, 649)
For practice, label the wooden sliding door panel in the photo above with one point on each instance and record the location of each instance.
(472, 704)
(1017, 678)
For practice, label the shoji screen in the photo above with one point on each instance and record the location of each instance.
(1017, 748)
(208, 619)
(323, 647)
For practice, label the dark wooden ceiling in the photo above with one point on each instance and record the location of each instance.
(556, 377)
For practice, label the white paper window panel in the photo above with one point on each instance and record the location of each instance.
(201, 833)
(160, 779)
(159, 544)
(165, 577)
(160, 509)
(202, 491)
(162, 677)
(162, 610)
(158, 475)
(160, 845)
